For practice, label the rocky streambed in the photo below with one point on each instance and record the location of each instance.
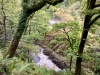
(43, 60)
(49, 59)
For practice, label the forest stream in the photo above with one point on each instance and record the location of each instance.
(43, 60)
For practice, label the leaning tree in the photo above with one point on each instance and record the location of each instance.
(28, 8)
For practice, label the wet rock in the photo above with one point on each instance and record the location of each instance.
(60, 64)
(56, 59)
(47, 52)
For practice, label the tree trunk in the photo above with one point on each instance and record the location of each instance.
(90, 6)
(27, 11)
(5, 36)
(80, 51)
(21, 26)
(4, 20)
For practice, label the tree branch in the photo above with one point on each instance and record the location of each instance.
(69, 39)
(98, 5)
(53, 2)
(96, 18)
(36, 7)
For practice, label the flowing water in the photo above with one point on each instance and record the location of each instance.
(43, 61)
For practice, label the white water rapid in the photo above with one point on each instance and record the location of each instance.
(43, 61)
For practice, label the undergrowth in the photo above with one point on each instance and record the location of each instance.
(15, 66)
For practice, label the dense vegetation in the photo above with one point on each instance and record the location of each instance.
(70, 28)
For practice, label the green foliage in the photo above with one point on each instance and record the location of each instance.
(72, 30)
(38, 26)
(58, 26)
(11, 18)
(15, 66)
(65, 42)
(71, 2)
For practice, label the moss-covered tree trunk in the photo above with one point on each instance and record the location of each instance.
(26, 12)
(16, 38)
(88, 22)
(28, 9)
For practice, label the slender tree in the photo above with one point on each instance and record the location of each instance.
(4, 18)
(88, 22)
(29, 7)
